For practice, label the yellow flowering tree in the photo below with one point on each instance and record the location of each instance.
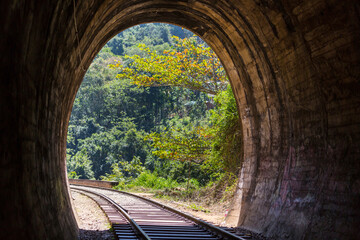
(187, 64)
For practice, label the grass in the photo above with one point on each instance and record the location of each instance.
(195, 207)
(190, 194)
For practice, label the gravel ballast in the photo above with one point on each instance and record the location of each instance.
(92, 222)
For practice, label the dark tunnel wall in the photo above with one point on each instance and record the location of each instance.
(294, 69)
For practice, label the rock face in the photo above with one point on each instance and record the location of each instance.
(294, 68)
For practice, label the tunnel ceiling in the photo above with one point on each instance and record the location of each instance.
(294, 70)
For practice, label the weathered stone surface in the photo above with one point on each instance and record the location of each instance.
(93, 183)
(294, 67)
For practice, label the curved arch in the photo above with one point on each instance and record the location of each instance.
(241, 51)
(296, 95)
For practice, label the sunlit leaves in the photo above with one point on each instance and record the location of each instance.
(227, 131)
(190, 143)
(123, 169)
(187, 64)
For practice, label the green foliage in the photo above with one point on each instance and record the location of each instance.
(121, 142)
(187, 64)
(189, 148)
(115, 175)
(151, 180)
(116, 45)
(73, 175)
(181, 143)
(80, 165)
(123, 171)
(198, 208)
(226, 147)
(134, 168)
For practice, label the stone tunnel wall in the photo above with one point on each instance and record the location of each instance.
(294, 69)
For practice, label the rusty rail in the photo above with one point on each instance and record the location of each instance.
(203, 230)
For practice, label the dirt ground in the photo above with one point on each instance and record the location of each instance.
(214, 213)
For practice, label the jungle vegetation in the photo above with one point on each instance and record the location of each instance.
(155, 110)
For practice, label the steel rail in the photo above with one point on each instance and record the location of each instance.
(140, 232)
(211, 228)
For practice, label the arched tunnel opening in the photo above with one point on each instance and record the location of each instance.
(294, 70)
(112, 114)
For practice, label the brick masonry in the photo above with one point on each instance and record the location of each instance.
(294, 68)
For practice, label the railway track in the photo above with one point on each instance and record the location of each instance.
(134, 217)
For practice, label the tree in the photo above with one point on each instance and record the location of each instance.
(116, 45)
(226, 145)
(181, 143)
(80, 166)
(111, 115)
(187, 64)
(188, 144)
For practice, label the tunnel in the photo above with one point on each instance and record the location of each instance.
(294, 69)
